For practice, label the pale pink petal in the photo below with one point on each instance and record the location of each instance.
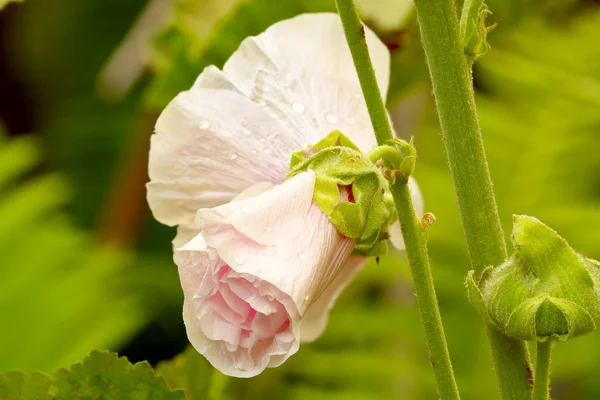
(314, 320)
(272, 217)
(302, 259)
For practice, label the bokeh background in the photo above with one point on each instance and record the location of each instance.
(83, 265)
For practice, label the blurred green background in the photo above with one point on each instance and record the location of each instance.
(83, 265)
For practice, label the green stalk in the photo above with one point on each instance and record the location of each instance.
(541, 390)
(453, 90)
(415, 237)
(355, 36)
(415, 240)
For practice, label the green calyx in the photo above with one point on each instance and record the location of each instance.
(544, 291)
(351, 190)
(473, 29)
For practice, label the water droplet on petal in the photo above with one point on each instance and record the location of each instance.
(232, 155)
(246, 131)
(306, 298)
(204, 124)
(227, 134)
(350, 121)
(253, 152)
(302, 256)
(259, 157)
(267, 151)
(298, 107)
(269, 229)
(240, 258)
(262, 140)
(273, 115)
(331, 118)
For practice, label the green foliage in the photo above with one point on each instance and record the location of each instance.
(60, 293)
(101, 375)
(190, 372)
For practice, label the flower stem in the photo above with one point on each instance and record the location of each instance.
(453, 90)
(541, 390)
(355, 35)
(415, 238)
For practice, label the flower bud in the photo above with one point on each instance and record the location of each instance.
(544, 291)
(350, 190)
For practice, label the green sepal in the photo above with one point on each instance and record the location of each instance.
(474, 294)
(544, 291)
(473, 29)
(337, 162)
(335, 138)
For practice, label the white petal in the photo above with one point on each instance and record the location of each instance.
(303, 70)
(417, 199)
(315, 320)
(270, 218)
(280, 92)
(209, 146)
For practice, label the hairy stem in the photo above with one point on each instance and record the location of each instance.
(415, 240)
(453, 90)
(541, 390)
(355, 35)
(415, 237)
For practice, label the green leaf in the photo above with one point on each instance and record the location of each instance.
(105, 375)
(192, 373)
(101, 375)
(16, 385)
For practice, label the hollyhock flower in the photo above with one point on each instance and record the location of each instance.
(260, 263)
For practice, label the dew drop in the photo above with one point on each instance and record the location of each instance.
(253, 152)
(298, 107)
(302, 256)
(306, 298)
(269, 229)
(267, 151)
(262, 140)
(232, 155)
(331, 118)
(227, 134)
(204, 124)
(259, 157)
(240, 258)
(246, 131)
(350, 121)
(273, 115)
